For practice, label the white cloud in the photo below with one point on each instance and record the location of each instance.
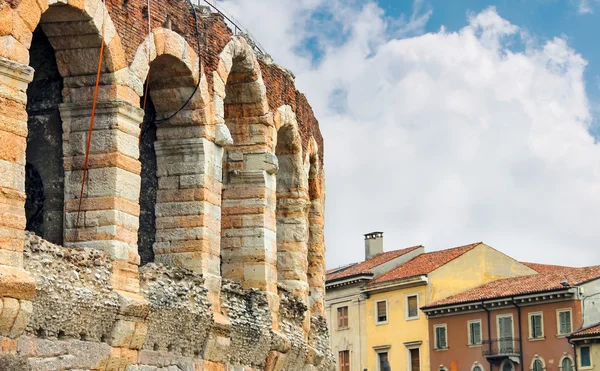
(444, 138)
(585, 6)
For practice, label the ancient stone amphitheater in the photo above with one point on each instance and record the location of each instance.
(168, 218)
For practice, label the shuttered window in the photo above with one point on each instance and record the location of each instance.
(585, 358)
(537, 365)
(567, 364)
(412, 306)
(415, 360)
(475, 333)
(342, 313)
(536, 329)
(441, 341)
(344, 360)
(564, 322)
(382, 311)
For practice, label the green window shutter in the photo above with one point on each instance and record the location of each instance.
(584, 353)
(477, 336)
(440, 337)
(536, 326)
(565, 322)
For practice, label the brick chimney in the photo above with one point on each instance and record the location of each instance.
(373, 244)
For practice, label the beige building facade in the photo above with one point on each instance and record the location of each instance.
(346, 303)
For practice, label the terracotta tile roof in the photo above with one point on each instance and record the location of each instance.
(424, 263)
(366, 266)
(545, 268)
(535, 283)
(593, 330)
(340, 268)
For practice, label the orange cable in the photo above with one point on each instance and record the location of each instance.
(89, 139)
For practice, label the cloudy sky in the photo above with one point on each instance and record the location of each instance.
(447, 123)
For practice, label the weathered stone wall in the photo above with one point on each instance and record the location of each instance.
(76, 318)
(198, 242)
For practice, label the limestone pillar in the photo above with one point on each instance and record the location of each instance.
(110, 208)
(188, 206)
(316, 246)
(17, 288)
(249, 241)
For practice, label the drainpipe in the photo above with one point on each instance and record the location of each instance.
(489, 328)
(574, 352)
(520, 334)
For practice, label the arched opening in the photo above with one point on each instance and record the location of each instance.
(248, 236)
(292, 206)
(44, 173)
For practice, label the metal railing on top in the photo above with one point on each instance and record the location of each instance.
(508, 346)
(234, 25)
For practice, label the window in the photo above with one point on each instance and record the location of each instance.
(536, 326)
(344, 361)
(538, 365)
(585, 357)
(477, 367)
(415, 359)
(566, 364)
(474, 332)
(441, 338)
(412, 306)
(342, 313)
(381, 309)
(564, 321)
(507, 366)
(383, 362)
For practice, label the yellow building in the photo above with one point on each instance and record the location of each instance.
(587, 347)
(397, 336)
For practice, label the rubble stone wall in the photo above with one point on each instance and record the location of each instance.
(199, 149)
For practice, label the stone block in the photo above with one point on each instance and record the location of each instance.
(22, 319)
(16, 283)
(10, 311)
(122, 333)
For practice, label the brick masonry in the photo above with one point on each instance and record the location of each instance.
(235, 278)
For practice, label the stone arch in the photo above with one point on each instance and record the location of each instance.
(564, 360)
(187, 161)
(292, 205)
(537, 360)
(74, 29)
(316, 220)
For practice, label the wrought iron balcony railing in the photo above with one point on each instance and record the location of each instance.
(502, 347)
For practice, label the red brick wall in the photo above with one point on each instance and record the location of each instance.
(130, 19)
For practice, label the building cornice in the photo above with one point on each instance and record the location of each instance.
(396, 284)
(502, 302)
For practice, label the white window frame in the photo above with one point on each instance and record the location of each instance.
(471, 344)
(591, 366)
(435, 327)
(537, 358)
(531, 338)
(387, 313)
(406, 316)
(477, 364)
(558, 311)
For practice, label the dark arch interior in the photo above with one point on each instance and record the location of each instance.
(149, 184)
(44, 181)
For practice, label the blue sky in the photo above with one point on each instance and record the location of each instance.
(545, 19)
(484, 130)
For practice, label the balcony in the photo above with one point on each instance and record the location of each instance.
(501, 348)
